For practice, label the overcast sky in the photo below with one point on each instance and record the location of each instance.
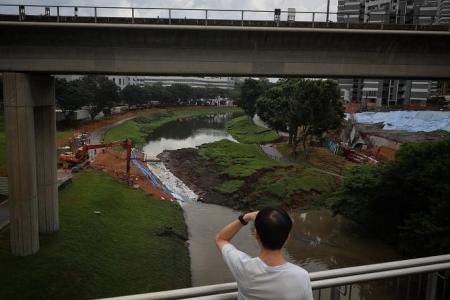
(304, 5)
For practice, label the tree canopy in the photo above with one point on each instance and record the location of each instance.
(250, 91)
(406, 201)
(303, 107)
(95, 92)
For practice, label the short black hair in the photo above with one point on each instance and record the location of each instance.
(273, 226)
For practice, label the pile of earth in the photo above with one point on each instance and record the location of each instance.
(202, 176)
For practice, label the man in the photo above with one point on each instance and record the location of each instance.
(268, 276)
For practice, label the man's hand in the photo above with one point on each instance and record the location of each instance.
(228, 232)
(251, 216)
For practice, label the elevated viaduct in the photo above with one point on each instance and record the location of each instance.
(30, 52)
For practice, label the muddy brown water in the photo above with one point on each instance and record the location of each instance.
(319, 241)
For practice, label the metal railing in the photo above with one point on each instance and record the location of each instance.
(421, 278)
(199, 16)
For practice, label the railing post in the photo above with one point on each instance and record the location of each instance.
(21, 12)
(57, 14)
(95, 14)
(170, 16)
(430, 293)
(313, 19)
(242, 17)
(348, 21)
(335, 294)
(132, 15)
(206, 17)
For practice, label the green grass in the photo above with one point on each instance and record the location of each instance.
(2, 146)
(139, 128)
(272, 184)
(245, 131)
(115, 253)
(230, 186)
(318, 157)
(236, 160)
(282, 185)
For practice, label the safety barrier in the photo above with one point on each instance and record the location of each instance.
(208, 17)
(421, 278)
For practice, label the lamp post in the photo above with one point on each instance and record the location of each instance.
(328, 11)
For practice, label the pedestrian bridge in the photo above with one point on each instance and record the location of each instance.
(422, 278)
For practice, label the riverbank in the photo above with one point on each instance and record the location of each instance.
(139, 128)
(242, 176)
(245, 131)
(113, 241)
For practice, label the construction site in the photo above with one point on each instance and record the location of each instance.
(123, 161)
(369, 137)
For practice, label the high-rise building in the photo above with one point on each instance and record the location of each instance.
(195, 82)
(383, 91)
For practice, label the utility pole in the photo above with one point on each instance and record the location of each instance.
(328, 11)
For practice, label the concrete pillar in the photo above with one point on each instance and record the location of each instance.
(21, 153)
(43, 87)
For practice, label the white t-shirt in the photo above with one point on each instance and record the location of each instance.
(256, 280)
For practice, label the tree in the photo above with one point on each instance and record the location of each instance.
(273, 108)
(305, 107)
(133, 95)
(180, 93)
(71, 95)
(406, 201)
(250, 91)
(316, 108)
(102, 93)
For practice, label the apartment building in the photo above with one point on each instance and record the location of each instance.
(392, 92)
(195, 82)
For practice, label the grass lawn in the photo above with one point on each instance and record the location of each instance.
(139, 128)
(289, 185)
(118, 252)
(236, 160)
(265, 181)
(319, 157)
(2, 146)
(245, 131)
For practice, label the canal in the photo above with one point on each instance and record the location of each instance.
(319, 240)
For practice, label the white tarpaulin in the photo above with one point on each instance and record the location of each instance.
(412, 121)
(176, 187)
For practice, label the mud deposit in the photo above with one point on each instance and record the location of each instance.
(200, 175)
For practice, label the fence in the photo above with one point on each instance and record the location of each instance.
(421, 278)
(194, 16)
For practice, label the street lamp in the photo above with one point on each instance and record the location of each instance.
(328, 11)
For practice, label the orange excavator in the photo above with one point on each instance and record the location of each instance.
(82, 154)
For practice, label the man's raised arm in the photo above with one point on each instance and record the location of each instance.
(228, 232)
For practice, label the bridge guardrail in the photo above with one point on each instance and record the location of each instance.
(233, 17)
(426, 278)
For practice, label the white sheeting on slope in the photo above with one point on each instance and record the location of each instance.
(178, 189)
(412, 121)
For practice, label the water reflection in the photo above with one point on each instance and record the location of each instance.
(188, 133)
(320, 241)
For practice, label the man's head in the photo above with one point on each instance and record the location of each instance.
(273, 226)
